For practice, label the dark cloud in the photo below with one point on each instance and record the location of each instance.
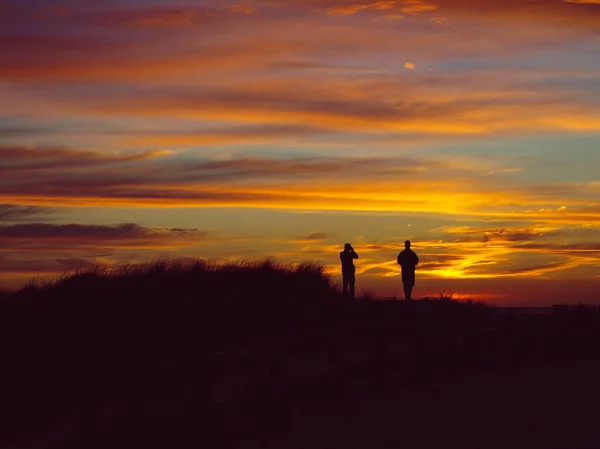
(13, 159)
(236, 135)
(184, 231)
(127, 234)
(97, 232)
(511, 235)
(107, 36)
(432, 265)
(376, 271)
(35, 264)
(558, 12)
(563, 239)
(158, 18)
(53, 248)
(76, 264)
(302, 167)
(32, 266)
(554, 12)
(11, 132)
(591, 249)
(55, 174)
(315, 106)
(10, 212)
(380, 247)
(576, 243)
(53, 55)
(315, 237)
(540, 269)
(439, 261)
(163, 17)
(372, 105)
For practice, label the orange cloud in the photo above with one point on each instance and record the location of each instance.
(69, 178)
(416, 6)
(367, 108)
(173, 18)
(582, 12)
(401, 6)
(512, 253)
(241, 9)
(440, 20)
(521, 11)
(347, 10)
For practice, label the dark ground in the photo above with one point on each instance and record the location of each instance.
(544, 406)
(141, 360)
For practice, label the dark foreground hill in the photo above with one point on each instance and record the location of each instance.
(268, 356)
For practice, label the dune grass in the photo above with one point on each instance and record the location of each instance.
(253, 281)
(201, 339)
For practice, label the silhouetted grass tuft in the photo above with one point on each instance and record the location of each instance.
(446, 300)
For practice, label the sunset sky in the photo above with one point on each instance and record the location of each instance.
(137, 129)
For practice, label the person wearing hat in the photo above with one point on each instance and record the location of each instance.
(408, 260)
(348, 278)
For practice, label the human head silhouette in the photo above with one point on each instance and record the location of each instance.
(407, 244)
(347, 247)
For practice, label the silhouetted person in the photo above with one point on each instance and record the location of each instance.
(408, 260)
(348, 278)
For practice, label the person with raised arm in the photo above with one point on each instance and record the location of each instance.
(348, 277)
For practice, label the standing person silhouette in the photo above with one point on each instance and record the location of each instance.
(348, 278)
(408, 260)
